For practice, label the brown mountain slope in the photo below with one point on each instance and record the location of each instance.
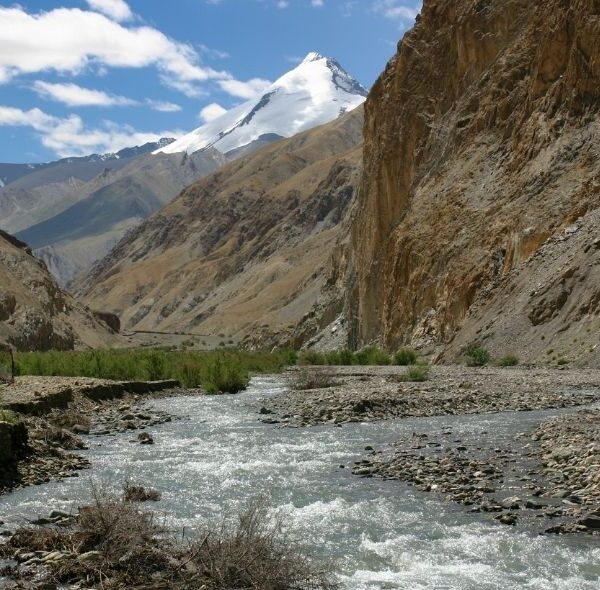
(241, 252)
(477, 221)
(35, 314)
(102, 210)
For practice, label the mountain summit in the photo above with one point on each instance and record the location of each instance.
(317, 91)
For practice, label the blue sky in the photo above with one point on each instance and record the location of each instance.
(85, 76)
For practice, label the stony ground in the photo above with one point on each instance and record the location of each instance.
(367, 394)
(547, 479)
(62, 409)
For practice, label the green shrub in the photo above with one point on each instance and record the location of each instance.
(311, 357)
(416, 373)
(155, 365)
(405, 357)
(223, 370)
(346, 357)
(509, 360)
(562, 361)
(477, 356)
(223, 376)
(10, 417)
(371, 355)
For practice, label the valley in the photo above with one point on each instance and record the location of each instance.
(337, 336)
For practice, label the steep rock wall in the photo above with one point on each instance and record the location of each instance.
(481, 147)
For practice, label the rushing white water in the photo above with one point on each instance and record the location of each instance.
(381, 534)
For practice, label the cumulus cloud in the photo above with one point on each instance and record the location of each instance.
(247, 90)
(68, 40)
(211, 112)
(76, 96)
(70, 137)
(396, 9)
(317, 2)
(116, 9)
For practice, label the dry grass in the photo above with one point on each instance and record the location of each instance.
(69, 418)
(58, 437)
(114, 544)
(138, 493)
(311, 378)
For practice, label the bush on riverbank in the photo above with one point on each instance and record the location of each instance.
(405, 357)
(116, 544)
(370, 355)
(224, 370)
(509, 360)
(10, 417)
(477, 356)
(305, 378)
(416, 374)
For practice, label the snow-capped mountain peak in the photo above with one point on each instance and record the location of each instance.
(313, 56)
(315, 92)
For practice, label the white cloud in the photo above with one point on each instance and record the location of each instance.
(317, 2)
(211, 112)
(75, 96)
(283, 4)
(70, 40)
(116, 9)
(247, 90)
(396, 9)
(70, 136)
(163, 107)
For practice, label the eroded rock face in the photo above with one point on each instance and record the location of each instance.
(480, 148)
(35, 314)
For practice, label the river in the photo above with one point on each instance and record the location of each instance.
(381, 534)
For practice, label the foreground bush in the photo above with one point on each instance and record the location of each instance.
(225, 370)
(116, 544)
(477, 356)
(138, 493)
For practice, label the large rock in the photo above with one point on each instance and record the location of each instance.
(13, 446)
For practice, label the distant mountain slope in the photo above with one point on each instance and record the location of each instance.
(116, 202)
(242, 251)
(32, 193)
(315, 92)
(35, 314)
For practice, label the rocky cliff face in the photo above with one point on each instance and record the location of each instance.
(477, 217)
(243, 252)
(35, 314)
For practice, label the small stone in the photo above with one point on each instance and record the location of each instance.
(507, 518)
(145, 439)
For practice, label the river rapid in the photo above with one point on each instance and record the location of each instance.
(380, 534)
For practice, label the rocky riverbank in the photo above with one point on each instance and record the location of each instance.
(546, 479)
(367, 394)
(59, 411)
(550, 487)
